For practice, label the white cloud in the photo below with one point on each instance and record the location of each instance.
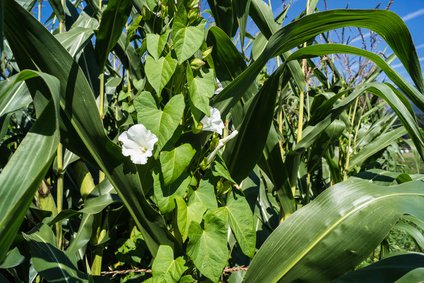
(401, 65)
(418, 47)
(360, 38)
(413, 15)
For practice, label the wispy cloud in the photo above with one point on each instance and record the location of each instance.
(418, 47)
(413, 15)
(405, 18)
(360, 38)
(401, 65)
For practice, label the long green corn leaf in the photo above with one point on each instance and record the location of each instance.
(387, 24)
(242, 153)
(34, 47)
(23, 173)
(352, 218)
(50, 262)
(242, 14)
(113, 21)
(224, 15)
(13, 96)
(324, 49)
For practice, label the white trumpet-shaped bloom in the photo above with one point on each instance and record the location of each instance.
(138, 143)
(214, 122)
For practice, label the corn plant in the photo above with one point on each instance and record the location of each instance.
(161, 141)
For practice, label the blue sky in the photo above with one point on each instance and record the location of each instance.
(411, 11)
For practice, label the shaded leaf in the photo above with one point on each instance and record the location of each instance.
(240, 219)
(164, 195)
(415, 275)
(49, 261)
(12, 259)
(242, 153)
(174, 162)
(113, 21)
(387, 270)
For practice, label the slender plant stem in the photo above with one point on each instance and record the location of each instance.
(349, 143)
(308, 187)
(102, 95)
(102, 84)
(101, 100)
(59, 193)
(59, 157)
(300, 119)
(280, 113)
(355, 138)
(301, 104)
(96, 267)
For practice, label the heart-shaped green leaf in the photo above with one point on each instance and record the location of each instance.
(187, 39)
(165, 268)
(164, 195)
(160, 72)
(156, 43)
(174, 162)
(240, 219)
(162, 123)
(207, 246)
(201, 89)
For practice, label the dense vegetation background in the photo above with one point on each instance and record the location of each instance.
(163, 141)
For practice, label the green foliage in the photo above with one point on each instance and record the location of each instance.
(175, 162)
(114, 18)
(165, 268)
(160, 71)
(162, 123)
(187, 38)
(274, 192)
(50, 262)
(207, 246)
(18, 187)
(345, 208)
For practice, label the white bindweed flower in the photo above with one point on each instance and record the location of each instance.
(138, 143)
(214, 122)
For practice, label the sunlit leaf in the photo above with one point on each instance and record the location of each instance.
(355, 207)
(160, 72)
(207, 246)
(187, 39)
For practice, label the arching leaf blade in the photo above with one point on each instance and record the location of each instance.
(352, 217)
(34, 47)
(387, 24)
(17, 186)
